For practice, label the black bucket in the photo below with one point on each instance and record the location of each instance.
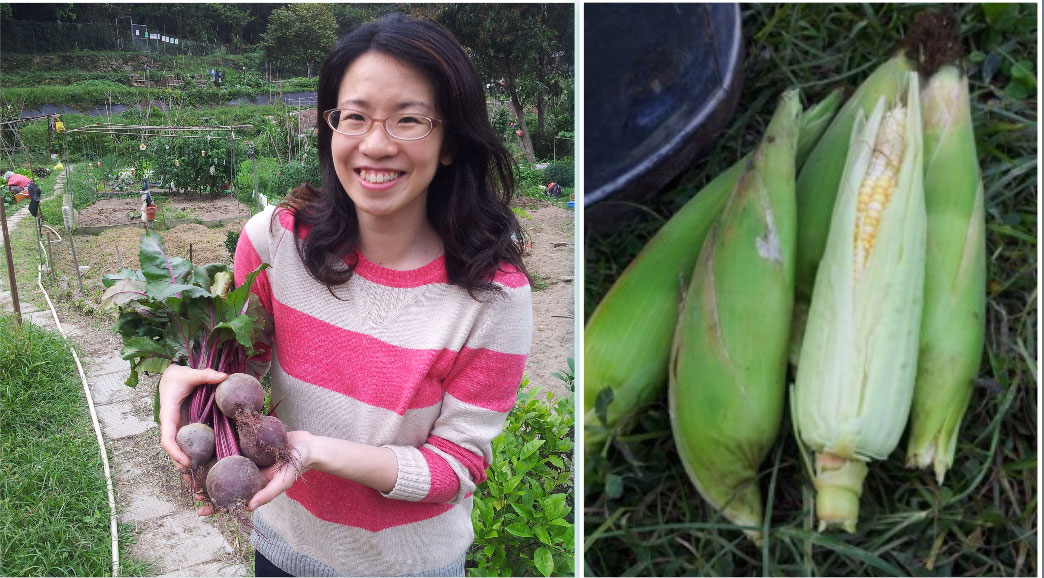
(660, 83)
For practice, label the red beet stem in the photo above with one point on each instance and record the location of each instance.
(224, 436)
(228, 358)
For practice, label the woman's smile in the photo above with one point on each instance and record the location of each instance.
(378, 180)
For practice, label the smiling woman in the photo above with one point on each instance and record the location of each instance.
(400, 315)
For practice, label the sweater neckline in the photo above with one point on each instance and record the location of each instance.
(433, 272)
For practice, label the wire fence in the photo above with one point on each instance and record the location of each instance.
(32, 37)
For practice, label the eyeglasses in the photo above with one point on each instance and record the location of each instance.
(399, 126)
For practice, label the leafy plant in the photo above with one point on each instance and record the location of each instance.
(537, 282)
(530, 182)
(267, 176)
(522, 512)
(199, 164)
(566, 375)
(172, 311)
(561, 172)
(302, 170)
(231, 240)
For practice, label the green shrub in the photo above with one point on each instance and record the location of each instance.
(192, 164)
(267, 178)
(231, 240)
(562, 172)
(530, 182)
(502, 117)
(523, 511)
(303, 169)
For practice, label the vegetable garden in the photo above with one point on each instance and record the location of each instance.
(207, 164)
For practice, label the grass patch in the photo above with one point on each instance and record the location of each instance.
(536, 282)
(54, 507)
(646, 518)
(84, 94)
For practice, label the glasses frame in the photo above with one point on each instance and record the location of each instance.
(434, 123)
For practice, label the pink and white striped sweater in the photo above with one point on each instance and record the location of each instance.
(402, 360)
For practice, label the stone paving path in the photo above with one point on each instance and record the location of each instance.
(169, 536)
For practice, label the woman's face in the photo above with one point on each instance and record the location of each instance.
(386, 178)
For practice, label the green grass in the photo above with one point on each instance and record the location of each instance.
(537, 282)
(88, 79)
(54, 514)
(646, 518)
(89, 93)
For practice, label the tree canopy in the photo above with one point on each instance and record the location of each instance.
(300, 34)
(520, 48)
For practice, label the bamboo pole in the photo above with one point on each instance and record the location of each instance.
(10, 265)
(50, 260)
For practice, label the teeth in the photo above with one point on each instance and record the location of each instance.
(378, 177)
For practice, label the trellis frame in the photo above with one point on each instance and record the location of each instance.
(160, 131)
(142, 131)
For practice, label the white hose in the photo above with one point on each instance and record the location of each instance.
(97, 432)
(48, 227)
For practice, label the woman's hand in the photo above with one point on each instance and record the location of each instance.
(280, 477)
(177, 383)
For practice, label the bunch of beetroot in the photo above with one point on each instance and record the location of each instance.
(225, 463)
(172, 311)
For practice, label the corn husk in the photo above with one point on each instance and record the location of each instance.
(627, 339)
(953, 326)
(820, 177)
(729, 354)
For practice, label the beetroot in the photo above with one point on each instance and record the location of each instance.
(197, 441)
(240, 394)
(200, 475)
(232, 482)
(266, 443)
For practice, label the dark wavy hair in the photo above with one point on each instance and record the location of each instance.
(468, 201)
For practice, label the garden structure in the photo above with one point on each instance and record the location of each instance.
(171, 163)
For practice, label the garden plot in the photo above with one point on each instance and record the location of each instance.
(117, 247)
(208, 209)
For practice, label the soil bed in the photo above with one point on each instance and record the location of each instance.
(117, 247)
(174, 208)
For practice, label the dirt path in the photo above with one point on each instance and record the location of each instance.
(150, 500)
(550, 261)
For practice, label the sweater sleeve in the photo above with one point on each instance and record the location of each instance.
(479, 392)
(251, 251)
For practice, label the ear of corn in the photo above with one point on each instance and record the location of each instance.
(820, 177)
(627, 339)
(817, 183)
(953, 326)
(858, 359)
(728, 360)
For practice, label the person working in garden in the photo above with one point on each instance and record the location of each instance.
(17, 183)
(400, 316)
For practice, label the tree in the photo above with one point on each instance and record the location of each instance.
(351, 16)
(299, 35)
(522, 46)
(44, 12)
